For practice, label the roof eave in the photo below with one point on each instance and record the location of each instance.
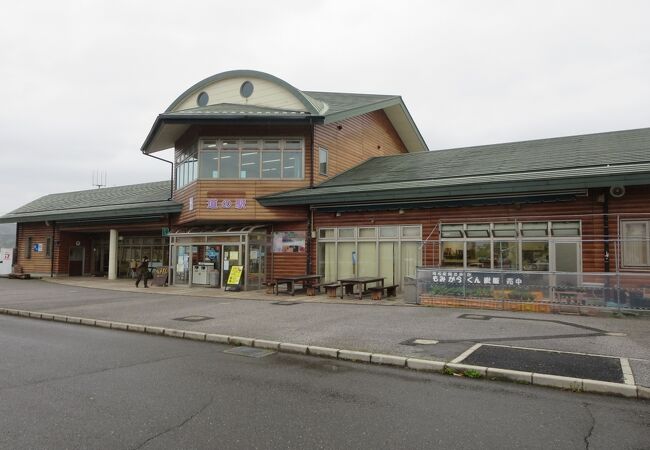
(81, 215)
(163, 119)
(499, 188)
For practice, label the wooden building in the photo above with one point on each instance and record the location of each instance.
(287, 182)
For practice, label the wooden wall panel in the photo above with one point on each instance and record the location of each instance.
(589, 210)
(360, 138)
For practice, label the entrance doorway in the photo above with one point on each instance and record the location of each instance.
(76, 261)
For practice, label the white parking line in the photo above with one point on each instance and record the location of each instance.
(628, 377)
(465, 354)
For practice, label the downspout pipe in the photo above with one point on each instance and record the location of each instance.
(52, 247)
(311, 186)
(171, 179)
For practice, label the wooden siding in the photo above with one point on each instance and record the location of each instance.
(589, 210)
(360, 138)
(286, 264)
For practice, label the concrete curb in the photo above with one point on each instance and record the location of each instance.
(538, 379)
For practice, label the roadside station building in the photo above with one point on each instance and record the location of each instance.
(289, 182)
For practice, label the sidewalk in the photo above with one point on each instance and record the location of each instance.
(396, 329)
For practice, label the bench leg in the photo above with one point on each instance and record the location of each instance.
(331, 291)
(391, 292)
(376, 295)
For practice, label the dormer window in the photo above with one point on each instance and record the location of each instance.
(250, 158)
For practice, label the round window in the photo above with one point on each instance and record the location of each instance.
(246, 89)
(202, 99)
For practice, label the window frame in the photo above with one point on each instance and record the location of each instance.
(323, 151)
(265, 145)
(623, 237)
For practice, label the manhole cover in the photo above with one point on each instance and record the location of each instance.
(474, 317)
(549, 362)
(285, 303)
(251, 352)
(193, 318)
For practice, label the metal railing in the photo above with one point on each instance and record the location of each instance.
(534, 291)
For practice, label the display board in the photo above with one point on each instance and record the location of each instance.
(234, 278)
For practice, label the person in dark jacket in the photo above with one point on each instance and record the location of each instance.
(143, 272)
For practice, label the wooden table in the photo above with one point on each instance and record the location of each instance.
(361, 283)
(290, 281)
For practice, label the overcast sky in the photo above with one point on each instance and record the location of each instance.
(82, 82)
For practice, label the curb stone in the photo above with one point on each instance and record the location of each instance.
(425, 364)
(391, 360)
(575, 384)
(510, 375)
(460, 368)
(543, 379)
(268, 345)
(626, 390)
(240, 340)
(293, 348)
(324, 352)
(351, 355)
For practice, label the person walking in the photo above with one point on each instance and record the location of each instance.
(143, 272)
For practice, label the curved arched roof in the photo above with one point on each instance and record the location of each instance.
(272, 100)
(307, 102)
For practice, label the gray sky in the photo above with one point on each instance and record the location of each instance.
(82, 82)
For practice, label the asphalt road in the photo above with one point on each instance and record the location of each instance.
(70, 386)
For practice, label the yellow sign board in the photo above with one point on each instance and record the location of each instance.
(234, 278)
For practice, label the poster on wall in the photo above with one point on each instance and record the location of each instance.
(289, 241)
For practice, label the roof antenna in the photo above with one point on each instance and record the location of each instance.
(99, 178)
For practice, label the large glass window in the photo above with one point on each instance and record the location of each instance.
(247, 159)
(636, 243)
(534, 255)
(186, 166)
(453, 254)
(478, 254)
(506, 255)
(391, 252)
(507, 246)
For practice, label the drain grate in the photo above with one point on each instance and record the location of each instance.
(193, 318)
(285, 303)
(592, 367)
(250, 352)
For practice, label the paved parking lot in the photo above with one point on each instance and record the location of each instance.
(389, 327)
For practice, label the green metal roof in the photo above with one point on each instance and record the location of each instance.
(574, 162)
(136, 200)
(233, 110)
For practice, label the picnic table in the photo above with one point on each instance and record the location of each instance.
(361, 284)
(291, 281)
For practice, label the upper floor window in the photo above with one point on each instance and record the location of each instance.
(322, 161)
(186, 166)
(251, 158)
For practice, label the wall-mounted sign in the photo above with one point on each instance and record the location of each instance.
(165, 231)
(289, 241)
(227, 203)
(78, 243)
(191, 204)
(448, 277)
(37, 248)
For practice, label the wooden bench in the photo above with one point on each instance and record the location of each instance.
(378, 291)
(330, 289)
(270, 287)
(314, 289)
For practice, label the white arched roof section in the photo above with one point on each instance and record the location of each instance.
(268, 92)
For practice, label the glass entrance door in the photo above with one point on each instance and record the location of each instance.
(232, 256)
